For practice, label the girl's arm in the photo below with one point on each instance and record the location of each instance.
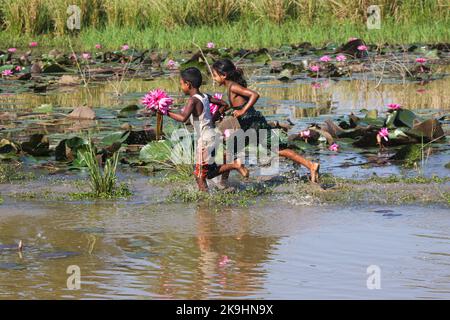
(185, 114)
(252, 96)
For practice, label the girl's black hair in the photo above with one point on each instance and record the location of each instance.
(193, 76)
(227, 68)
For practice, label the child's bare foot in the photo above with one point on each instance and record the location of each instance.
(223, 183)
(315, 172)
(242, 169)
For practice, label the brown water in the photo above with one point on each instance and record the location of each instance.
(142, 250)
(146, 248)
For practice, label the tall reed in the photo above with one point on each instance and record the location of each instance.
(42, 16)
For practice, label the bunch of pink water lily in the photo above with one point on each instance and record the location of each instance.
(157, 100)
(214, 107)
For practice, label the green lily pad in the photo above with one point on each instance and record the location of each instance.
(116, 137)
(390, 118)
(405, 117)
(128, 111)
(285, 75)
(38, 145)
(6, 67)
(53, 68)
(156, 151)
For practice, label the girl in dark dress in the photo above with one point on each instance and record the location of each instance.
(242, 101)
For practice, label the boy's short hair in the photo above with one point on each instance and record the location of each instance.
(193, 76)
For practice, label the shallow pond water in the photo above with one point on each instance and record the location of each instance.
(146, 248)
(188, 251)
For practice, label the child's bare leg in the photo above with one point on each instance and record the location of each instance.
(236, 165)
(201, 183)
(294, 156)
(225, 175)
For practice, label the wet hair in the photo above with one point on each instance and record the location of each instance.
(226, 67)
(193, 76)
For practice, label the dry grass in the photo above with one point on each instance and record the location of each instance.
(38, 16)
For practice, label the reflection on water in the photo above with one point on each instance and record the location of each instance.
(174, 251)
(299, 95)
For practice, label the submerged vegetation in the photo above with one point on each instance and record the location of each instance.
(173, 25)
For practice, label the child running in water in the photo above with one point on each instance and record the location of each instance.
(198, 112)
(242, 101)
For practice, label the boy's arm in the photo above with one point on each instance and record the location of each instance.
(252, 96)
(185, 114)
(223, 107)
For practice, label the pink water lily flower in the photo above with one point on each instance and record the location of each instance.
(224, 261)
(210, 45)
(33, 44)
(98, 46)
(314, 68)
(341, 58)
(305, 133)
(214, 107)
(18, 68)
(227, 133)
(421, 60)
(362, 48)
(86, 56)
(316, 85)
(12, 50)
(125, 47)
(6, 73)
(334, 147)
(325, 59)
(171, 64)
(157, 100)
(394, 106)
(384, 133)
